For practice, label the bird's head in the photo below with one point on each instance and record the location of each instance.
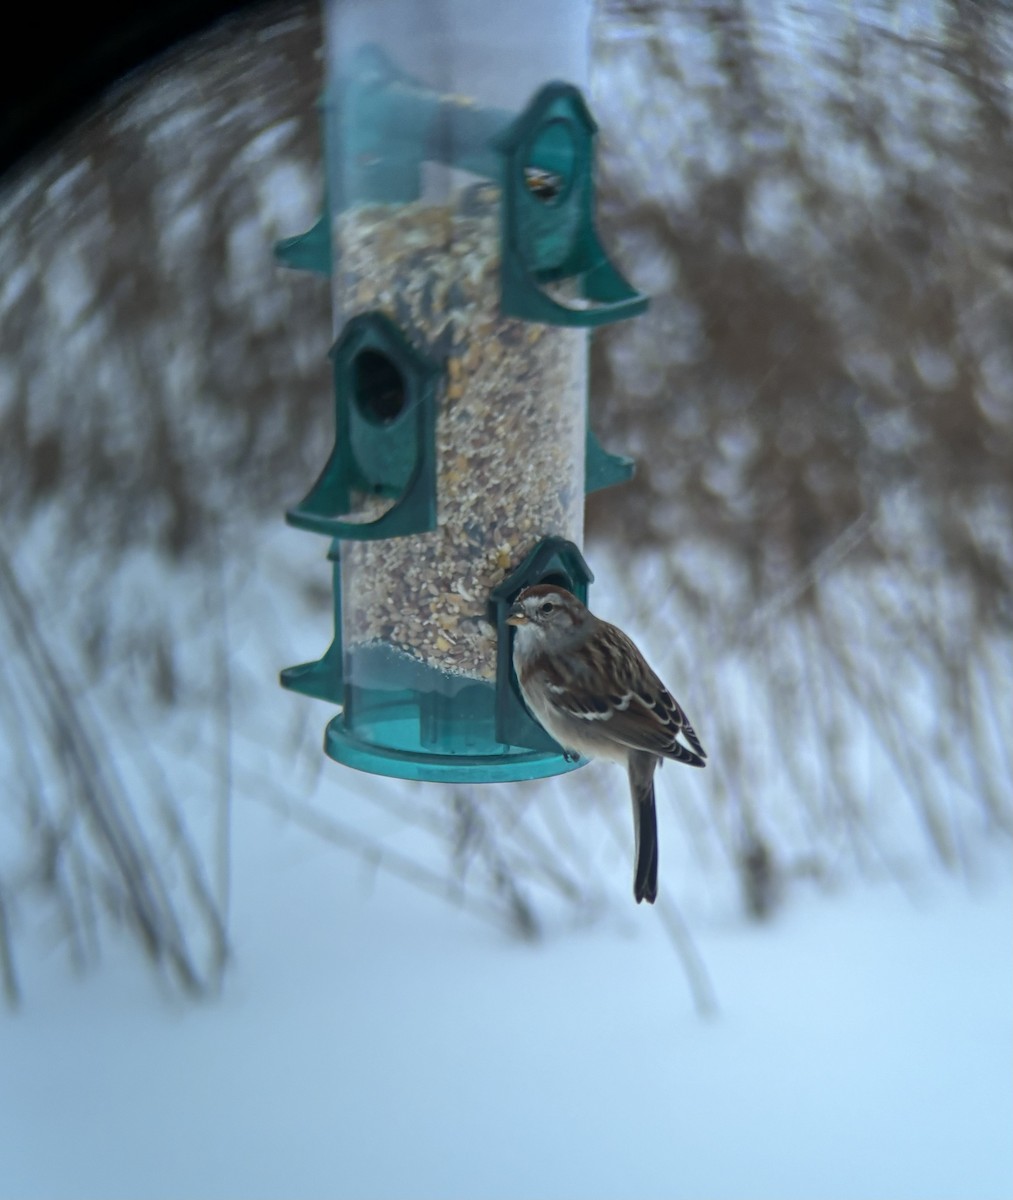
(547, 614)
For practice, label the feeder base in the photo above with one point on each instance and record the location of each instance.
(509, 766)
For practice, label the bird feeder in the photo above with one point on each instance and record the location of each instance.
(466, 271)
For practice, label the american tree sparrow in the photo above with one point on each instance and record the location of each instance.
(589, 687)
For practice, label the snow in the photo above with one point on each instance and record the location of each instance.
(371, 1043)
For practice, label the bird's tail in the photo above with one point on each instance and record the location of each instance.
(645, 827)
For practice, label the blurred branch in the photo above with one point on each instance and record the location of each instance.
(700, 987)
(8, 975)
(384, 858)
(92, 787)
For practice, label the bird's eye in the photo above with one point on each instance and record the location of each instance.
(546, 608)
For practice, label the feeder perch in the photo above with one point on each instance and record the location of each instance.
(459, 237)
(384, 459)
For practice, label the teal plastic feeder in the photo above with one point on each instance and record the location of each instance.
(459, 235)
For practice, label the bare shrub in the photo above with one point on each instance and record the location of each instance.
(818, 399)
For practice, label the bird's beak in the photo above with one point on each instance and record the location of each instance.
(517, 616)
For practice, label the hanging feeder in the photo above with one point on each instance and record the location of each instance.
(459, 236)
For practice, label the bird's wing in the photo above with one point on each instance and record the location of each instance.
(654, 721)
(632, 704)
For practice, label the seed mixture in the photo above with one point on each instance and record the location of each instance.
(509, 436)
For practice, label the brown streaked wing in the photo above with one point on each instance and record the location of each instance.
(653, 719)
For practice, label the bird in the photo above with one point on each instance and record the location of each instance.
(586, 683)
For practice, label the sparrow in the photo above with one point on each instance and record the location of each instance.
(591, 689)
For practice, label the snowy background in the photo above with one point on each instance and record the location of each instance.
(231, 967)
(368, 1045)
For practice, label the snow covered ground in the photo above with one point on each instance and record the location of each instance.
(373, 1043)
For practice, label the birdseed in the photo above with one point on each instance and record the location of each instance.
(510, 429)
